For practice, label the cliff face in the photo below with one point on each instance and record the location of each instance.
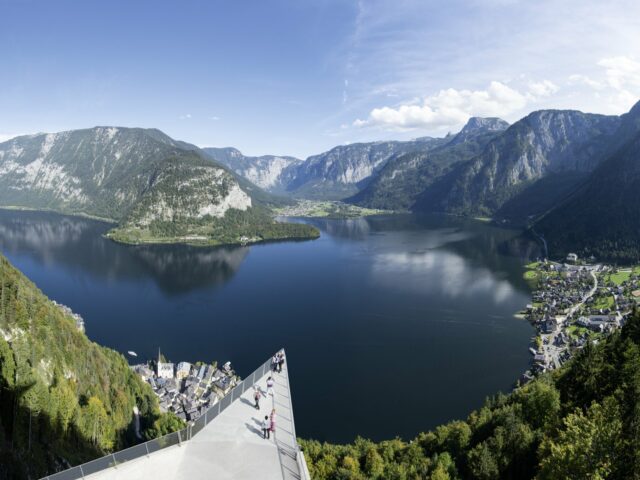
(343, 170)
(270, 172)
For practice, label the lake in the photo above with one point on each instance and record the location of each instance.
(392, 325)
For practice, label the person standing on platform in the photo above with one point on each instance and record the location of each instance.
(270, 386)
(272, 421)
(256, 396)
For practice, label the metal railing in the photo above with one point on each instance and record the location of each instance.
(176, 438)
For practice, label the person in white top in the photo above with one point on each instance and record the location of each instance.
(266, 427)
(270, 386)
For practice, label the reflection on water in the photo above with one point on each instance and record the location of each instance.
(78, 242)
(443, 273)
(418, 306)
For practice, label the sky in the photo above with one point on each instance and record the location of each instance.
(297, 77)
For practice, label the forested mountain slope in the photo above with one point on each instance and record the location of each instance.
(562, 144)
(63, 399)
(399, 184)
(603, 217)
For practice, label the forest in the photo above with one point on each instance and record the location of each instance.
(64, 400)
(581, 421)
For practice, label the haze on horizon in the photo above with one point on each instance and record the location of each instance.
(297, 78)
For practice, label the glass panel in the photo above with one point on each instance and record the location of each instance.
(224, 403)
(97, 465)
(199, 425)
(213, 412)
(70, 474)
(131, 453)
(165, 441)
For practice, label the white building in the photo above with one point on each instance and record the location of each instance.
(182, 370)
(572, 257)
(165, 370)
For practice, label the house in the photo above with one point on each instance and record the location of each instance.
(201, 371)
(182, 370)
(165, 370)
(144, 371)
(572, 257)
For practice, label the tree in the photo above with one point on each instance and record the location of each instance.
(587, 447)
(95, 423)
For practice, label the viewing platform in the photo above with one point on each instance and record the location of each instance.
(225, 443)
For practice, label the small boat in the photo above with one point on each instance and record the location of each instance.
(132, 353)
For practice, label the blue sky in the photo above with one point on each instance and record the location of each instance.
(300, 76)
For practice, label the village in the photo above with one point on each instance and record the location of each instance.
(187, 389)
(573, 303)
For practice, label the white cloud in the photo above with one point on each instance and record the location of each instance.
(214, 118)
(186, 116)
(578, 79)
(621, 72)
(544, 88)
(448, 108)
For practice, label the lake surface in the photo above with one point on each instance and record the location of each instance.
(392, 325)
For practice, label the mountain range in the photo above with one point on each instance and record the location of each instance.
(155, 188)
(568, 175)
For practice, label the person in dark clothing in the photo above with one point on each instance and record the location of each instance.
(280, 361)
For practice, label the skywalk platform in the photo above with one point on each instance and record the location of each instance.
(230, 446)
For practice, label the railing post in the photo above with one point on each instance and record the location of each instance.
(179, 438)
(81, 471)
(115, 462)
(205, 416)
(146, 445)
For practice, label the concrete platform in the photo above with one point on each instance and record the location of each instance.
(231, 446)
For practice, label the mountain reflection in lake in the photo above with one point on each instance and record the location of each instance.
(78, 242)
(392, 324)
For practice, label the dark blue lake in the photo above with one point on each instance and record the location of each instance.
(392, 325)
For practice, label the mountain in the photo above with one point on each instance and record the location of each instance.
(547, 153)
(479, 125)
(63, 399)
(345, 169)
(158, 189)
(270, 172)
(602, 217)
(399, 184)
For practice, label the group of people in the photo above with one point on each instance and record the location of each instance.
(277, 362)
(269, 425)
(269, 422)
(257, 393)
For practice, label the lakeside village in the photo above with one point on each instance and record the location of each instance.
(574, 303)
(187, 389)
